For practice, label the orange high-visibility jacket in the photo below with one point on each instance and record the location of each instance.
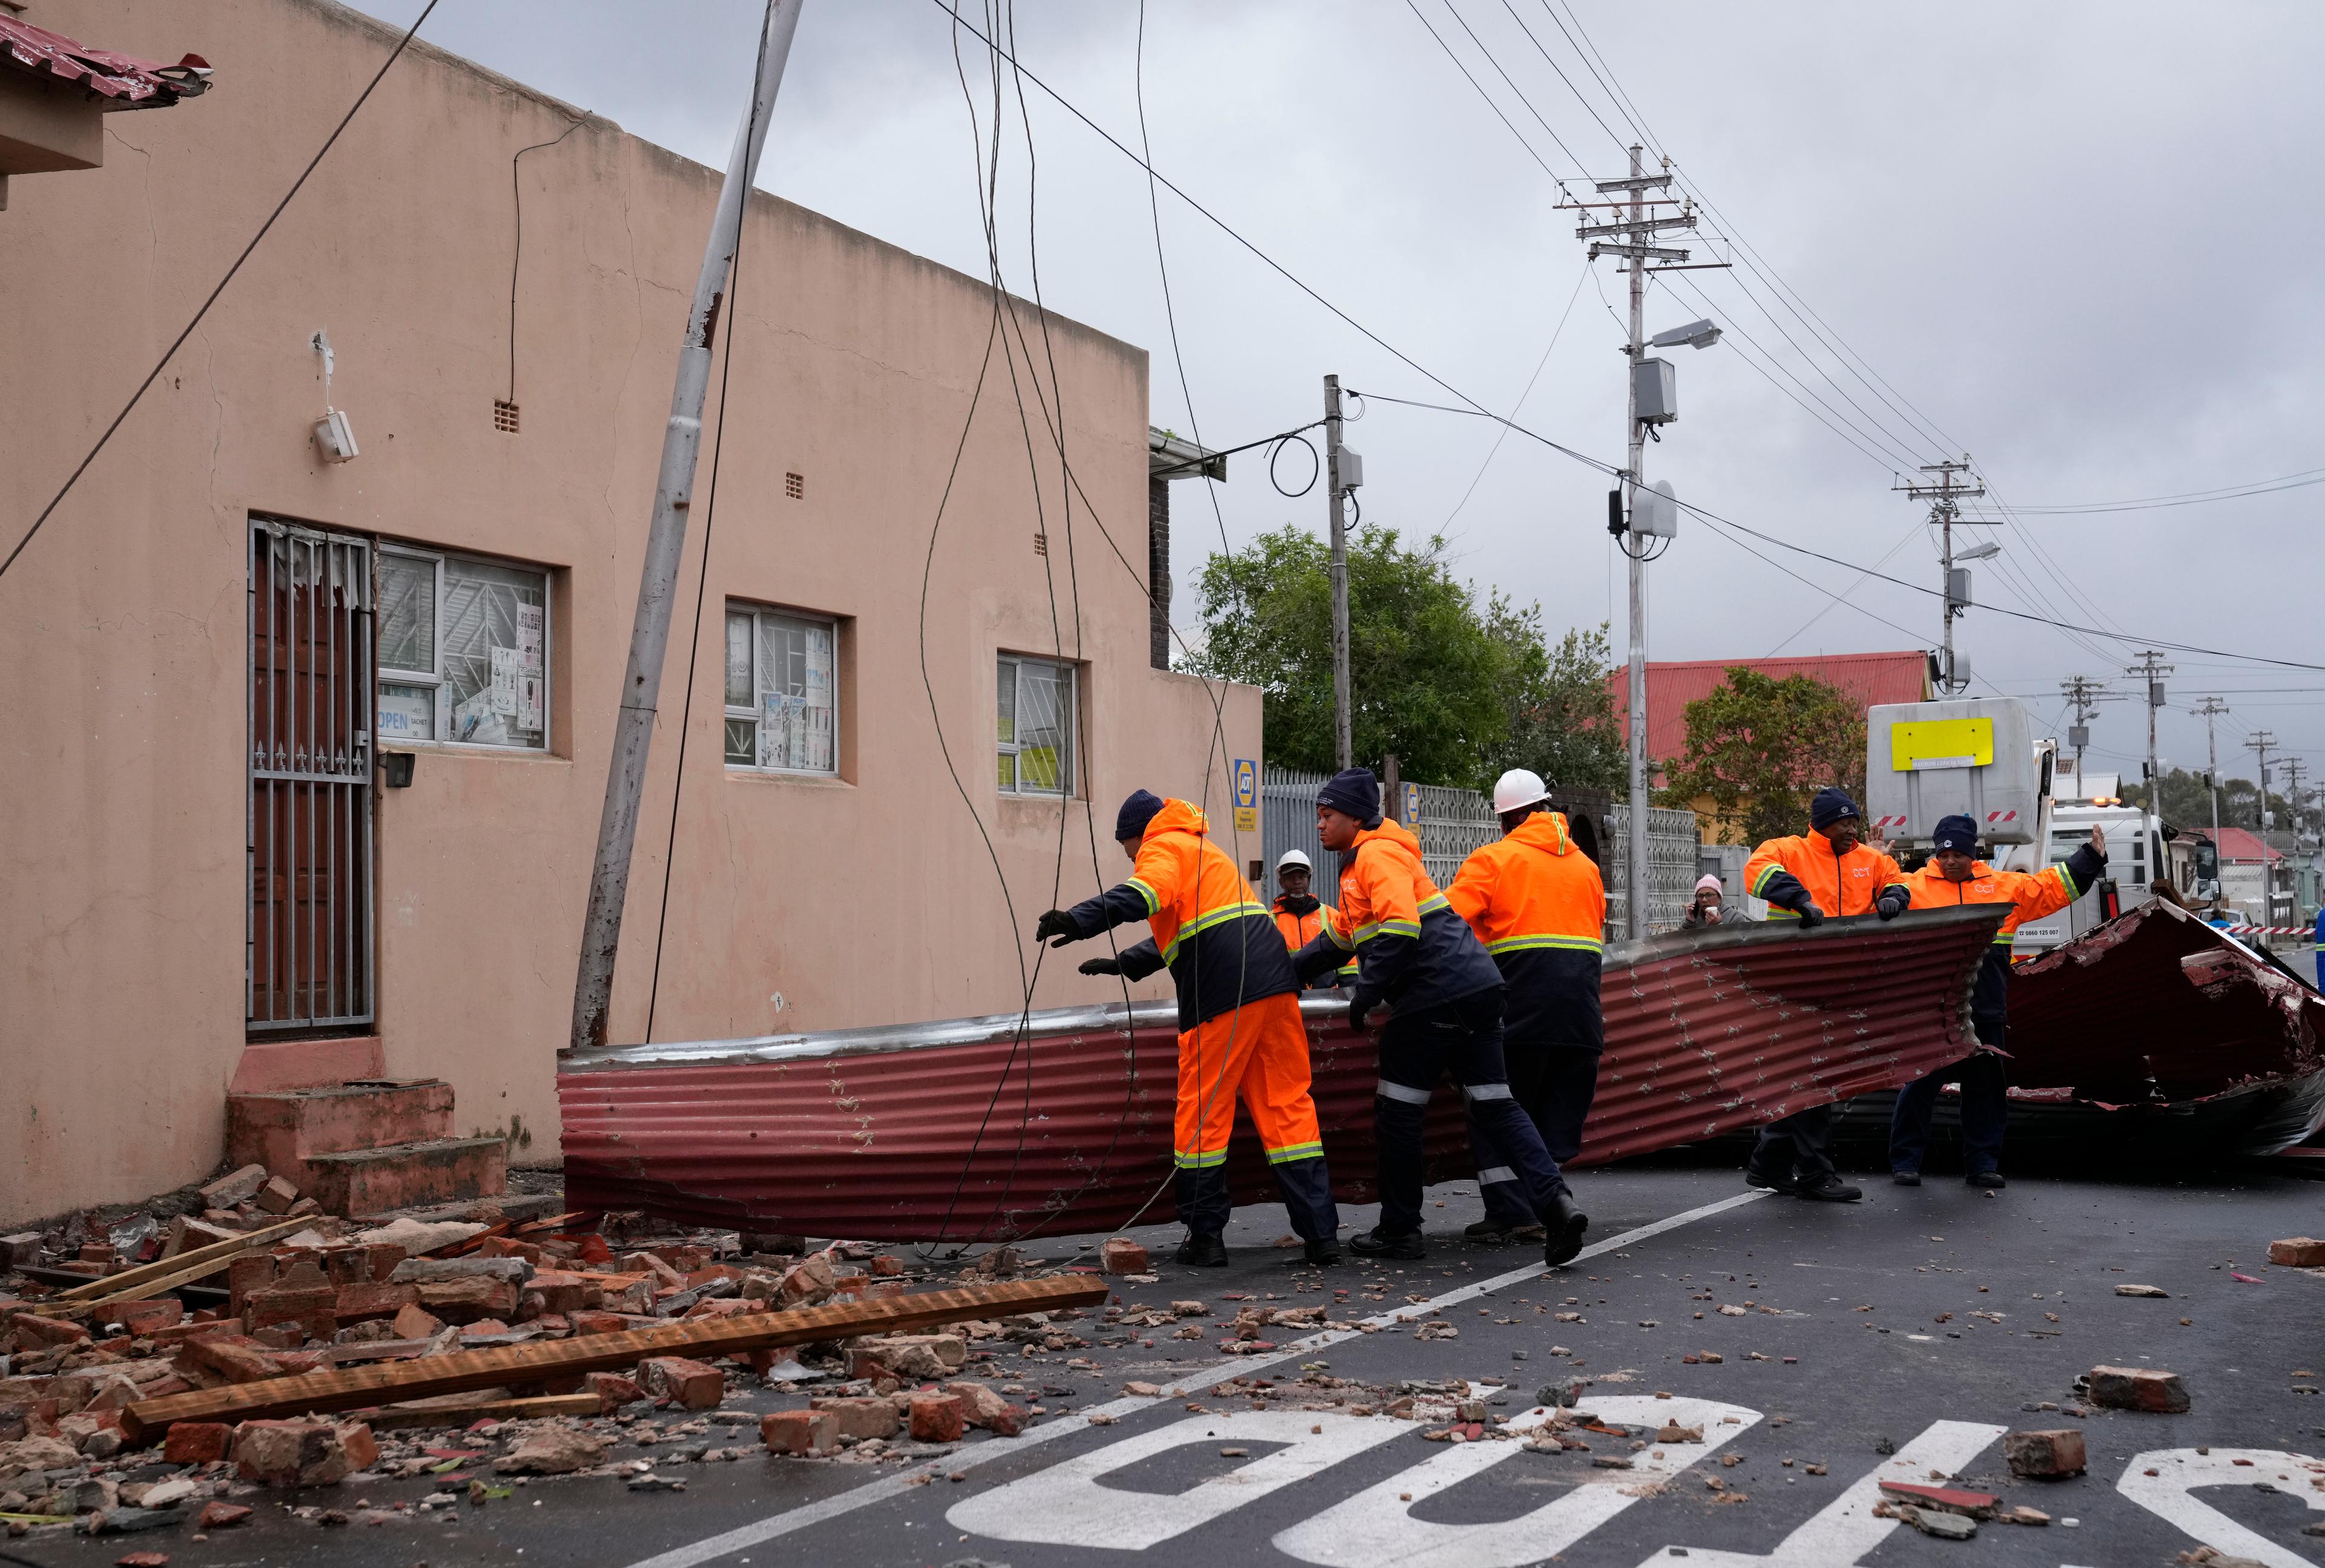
(1209, 927)
(1300, 929)
(1411, 947)
(2031, 896)
(1781, 868)
(1537, 903)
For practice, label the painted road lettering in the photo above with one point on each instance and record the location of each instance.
(1065, 1505)
(1844, 1530)
(1377, 1526)
(2169, 1494)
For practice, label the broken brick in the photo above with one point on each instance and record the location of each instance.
(217, 1516)
(417, 1322)
(276, 1195)
(612, 1390)
(303, 1453)
(861, 1417)
(1121, 1255)
(2298, 1252)
(32, 1329)
(2147, 1389)
(690, 1385)
(226, 1358)
(469, 1298)
(566, 1293)
(599, 1323)
(234, 1187)
(801, 1431)
(368, 1299)
(299, 1297)
(253, 1271)
(935, 1418)
(979, 1404)
(552, 1451)
(197, 1442)
(811, 1281)
(143, 1317)
(2046, 1455)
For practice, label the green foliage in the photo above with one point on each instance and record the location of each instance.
(1760, 748)
(2188, 803)
(1562, 721)
(1455, 691)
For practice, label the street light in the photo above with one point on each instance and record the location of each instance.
(1695, 335)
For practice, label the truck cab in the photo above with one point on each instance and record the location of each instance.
(2136, 858)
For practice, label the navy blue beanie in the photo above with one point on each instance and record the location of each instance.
(1130, 822)
(1831, 804)
(1956, 832)
(1353, 792)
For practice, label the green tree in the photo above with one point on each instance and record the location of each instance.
(1760, 748)
(1562, 721)
(1435, 681)
(2188, 803)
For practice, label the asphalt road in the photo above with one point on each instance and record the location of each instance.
(1856, 1337)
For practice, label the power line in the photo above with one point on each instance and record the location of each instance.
(178, 342)
(1482, 93)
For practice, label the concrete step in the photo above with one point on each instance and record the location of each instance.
(282, 1129)
(360, 1181)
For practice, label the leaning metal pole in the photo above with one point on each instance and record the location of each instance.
(626, 771)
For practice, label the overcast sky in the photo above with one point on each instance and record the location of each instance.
(2076, 241)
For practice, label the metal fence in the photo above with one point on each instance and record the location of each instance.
(1452, 822)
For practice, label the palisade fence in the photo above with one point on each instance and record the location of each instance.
(1452, 822)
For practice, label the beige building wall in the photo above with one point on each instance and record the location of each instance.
(794, 903)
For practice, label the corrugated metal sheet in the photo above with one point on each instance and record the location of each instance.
(131, 82)
(967, 1129)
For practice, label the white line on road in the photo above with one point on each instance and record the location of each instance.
(791, 1520)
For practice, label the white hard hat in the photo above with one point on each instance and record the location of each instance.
(1519, 787)
(1293, 857)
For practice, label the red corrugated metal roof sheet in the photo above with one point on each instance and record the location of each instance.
(2242, 844)
(1672, 685)
(126, 80)
(954, 1130)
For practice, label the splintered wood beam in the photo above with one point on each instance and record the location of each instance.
(404, 1417)
(215, 1256)
(352, 1388)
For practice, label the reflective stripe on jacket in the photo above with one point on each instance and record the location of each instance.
(1209, 928)
(1410, 946)
(2032, 896)
(1301, 927)
(1845, 885)
(1537, 903)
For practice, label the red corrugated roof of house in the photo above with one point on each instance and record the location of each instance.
(1870, 678)
(2238, 844)
(131, 83)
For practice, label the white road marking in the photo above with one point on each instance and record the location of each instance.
(1377, 1526)
(1845, 1529)
(2169, 1494)
(807, 1515)
(1064, 1506)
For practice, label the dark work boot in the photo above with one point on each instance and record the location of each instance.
(1829, 1189)
(1324, 1253)
(1906, 1178)
(1564, 1225)
(1775, 1183)
(1406, 1248)
(1203, 1251)
(1989, 1179)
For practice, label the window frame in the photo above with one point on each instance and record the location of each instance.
(435, 681)
(754, 715)
(1070, 706)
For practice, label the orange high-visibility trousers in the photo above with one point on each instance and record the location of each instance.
(1257, 1053)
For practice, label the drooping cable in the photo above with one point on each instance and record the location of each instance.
(517, 246)
(179, 341)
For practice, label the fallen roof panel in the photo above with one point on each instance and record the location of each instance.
(982, 1128)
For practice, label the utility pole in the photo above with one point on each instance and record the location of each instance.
(626, 771)
(2153, 669)
(1629, 237)
(2260, 742)
(2211, 708)
(1945, 496)
(2086, 695)
(1337, 460)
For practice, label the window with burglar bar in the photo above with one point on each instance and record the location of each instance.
(463, 651)
(783, 692)
(1035, 726)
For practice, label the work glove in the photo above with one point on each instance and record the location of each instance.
(1892, 902)
(1057, 923)
(1102, 965)
(1811, 915)
(1361, 1002)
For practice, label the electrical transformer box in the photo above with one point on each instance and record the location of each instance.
(1973, 757)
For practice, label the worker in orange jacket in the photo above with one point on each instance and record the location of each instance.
(1239, 1028)
(1300, 915)
(1826, 871)
(1537, 903)
(1444, 995)
(1955, 877)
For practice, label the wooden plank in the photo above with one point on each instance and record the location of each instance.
(351, 1388)
(217, 1254)
(402, 1417)
(552, 1222)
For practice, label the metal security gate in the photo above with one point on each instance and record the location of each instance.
(310, 933)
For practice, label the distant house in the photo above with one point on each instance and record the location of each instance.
(1868, 678)
(2255, 878)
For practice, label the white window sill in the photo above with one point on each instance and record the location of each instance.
(456, 749)
(778, 775)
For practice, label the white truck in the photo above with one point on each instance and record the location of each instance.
(1979, 757)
